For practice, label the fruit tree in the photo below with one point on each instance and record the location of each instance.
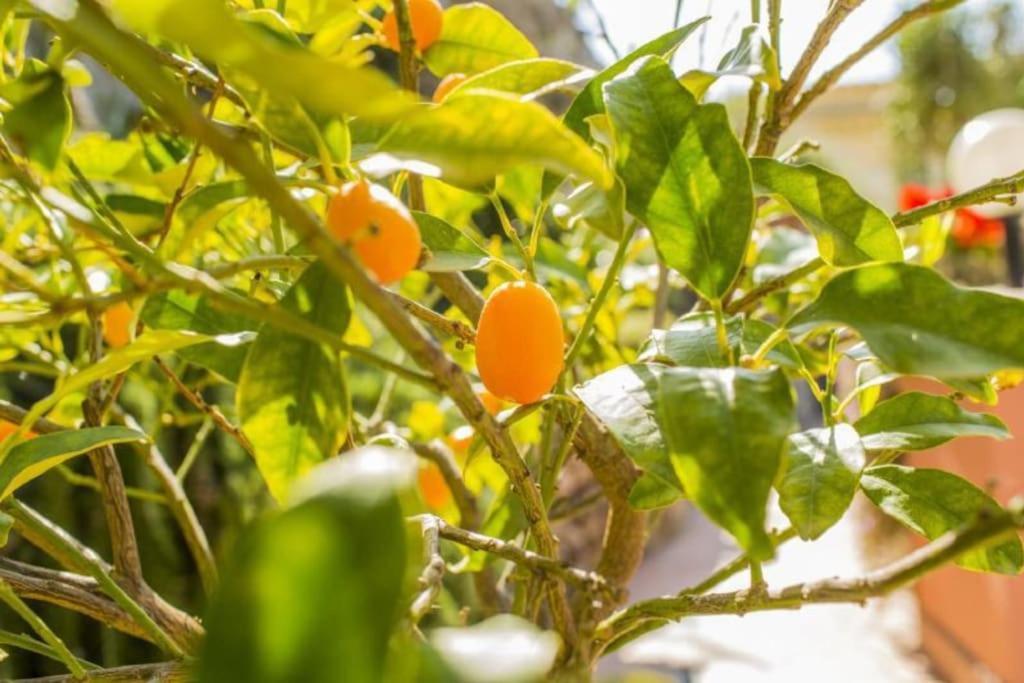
(301, 372)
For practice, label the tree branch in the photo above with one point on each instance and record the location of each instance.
(463, 333)
(538, 564)
(433, 570)
(832, 76)
(779, 118)
(986, 529)
(167, 672)
(1000, 189)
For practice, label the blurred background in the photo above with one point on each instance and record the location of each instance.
(887, 127)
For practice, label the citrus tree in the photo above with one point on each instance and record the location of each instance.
(419, 321)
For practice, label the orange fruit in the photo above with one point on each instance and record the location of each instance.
(426, 17)
(118, 321)
(492, 403)
(7, 428)
(447, 84)
(519, 342)
(433, 487)
(378, 227)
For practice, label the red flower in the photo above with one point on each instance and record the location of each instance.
(913, 196)
(970, 229)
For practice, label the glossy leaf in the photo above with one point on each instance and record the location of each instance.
(450, 249)
(693, 341)
(919, 323)
(301, 598)
(686, 175)
(474, 38)
(178, 310)
(850, 230)
(292, 396)
(752, 57)
(473, 138)
(590, 100)
(214, 32)
(527, 78)
(820, 471)
(625, 401)
(725, 429)
(589, 205)
(915, 421)
(36, 456)
(933, 502)
(39, 118)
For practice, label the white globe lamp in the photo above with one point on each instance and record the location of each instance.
(989, 146)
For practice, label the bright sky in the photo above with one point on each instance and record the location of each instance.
(632, 22)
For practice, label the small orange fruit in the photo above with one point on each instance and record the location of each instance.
(447, 84)
(7, 428)
(379, 228)
(492, 403)
(519, 342)
(426, 17)
(117, 325)
(433, 487)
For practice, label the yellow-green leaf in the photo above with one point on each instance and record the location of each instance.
(474, 38)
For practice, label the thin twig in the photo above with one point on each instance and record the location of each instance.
(464, 333)
(181, 508)
(1001, 189)
(779, 118)
(774, 285)
(832, 76)
(8, 596)
(167, 672)
(212, 412)
(433, 570)
(538, 564)
(984, 530)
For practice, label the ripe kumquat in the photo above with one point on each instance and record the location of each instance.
(426, 17)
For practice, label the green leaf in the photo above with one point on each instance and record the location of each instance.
(752, 57)
(503, 649)
(820, 471)
(39, 118)
(527, 78)
(850, 230)
(915, 421)
(725, 429)
(933, 502)
(692, 341)
(292, 396)
(178, 310)
(651, 492)
(450, 248)
(590, 100)
(475, 38)
(36, 456)
(215, 33)
(686, 175)
(315, 592)
(473, 138)
(625, 401)
(150, 343)
(919, 323)
(6, 524)
(595, 208)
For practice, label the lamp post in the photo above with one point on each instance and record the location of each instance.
(987, 147)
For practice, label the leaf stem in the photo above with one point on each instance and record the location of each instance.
(610, 278)
(512, 234)
(8, 596)
(721, 333)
